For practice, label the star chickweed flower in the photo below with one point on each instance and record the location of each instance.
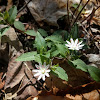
(42, 71)
(74, 45)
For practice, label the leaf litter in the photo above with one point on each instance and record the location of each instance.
(20, 83)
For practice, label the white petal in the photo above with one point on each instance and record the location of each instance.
(68, 42)
(79, 43)
(76, 41)
(43, 77)
(39, 77)
(40, 64)
(67, 45)
(37, 74)
(72, 41)
(44, 64)
(76, 48)
(35, 70)
(48, 70)
(47, 66)
(71, 48)
(47, 74)
(37, 66)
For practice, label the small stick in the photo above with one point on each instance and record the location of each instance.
(77, 7)
(23, 7)
(80, 13)
(90, 14)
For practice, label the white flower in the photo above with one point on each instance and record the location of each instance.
(41, 71)
(74, 45)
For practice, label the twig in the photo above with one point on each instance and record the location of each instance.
(82, 25)
(90, 14)
(77, 7)
(68, 11)
(23, 7)
(80, 13)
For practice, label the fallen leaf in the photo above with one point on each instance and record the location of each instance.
(11, 38)
(1, 82)
(20, 80)
(93, 95)
(29, 89)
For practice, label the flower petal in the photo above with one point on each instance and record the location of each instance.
(37, 66)
(79, 43)
(35, 70)
(48, 70)
(37, 74)
(72, 41)
(76, 41)
(47, 74)
(40, 77)
(68, 42)
(43, 77)
(67, 45)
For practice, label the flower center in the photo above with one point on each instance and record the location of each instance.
(43, 71)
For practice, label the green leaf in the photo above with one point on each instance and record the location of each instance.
(74, 31)
(44, 58)
(31, 32)
(1, 18)
(94, 73)
(12, 15)
(38, 58)
(40, 43)
(54, 53)
(6, 15)
(54, 38)
(2, 22)
(19, 25)
(1, 15)
(42, 32)
(3, 30)
(80, 64)
(63, 33)
(50, 44)
(61, 49)
(60, 72)
(27, 56)
(47, 55)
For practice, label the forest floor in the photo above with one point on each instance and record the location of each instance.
(80, 18)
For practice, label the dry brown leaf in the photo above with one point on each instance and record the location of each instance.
(93, 95)
(11, 38)
(1, 82)
(70, 97)
(29, 89)
(20, 80)
(15, 73)
(48, 10)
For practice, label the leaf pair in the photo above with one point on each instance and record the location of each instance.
(93, 71)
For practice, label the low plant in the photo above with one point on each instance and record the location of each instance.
(47, 47)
